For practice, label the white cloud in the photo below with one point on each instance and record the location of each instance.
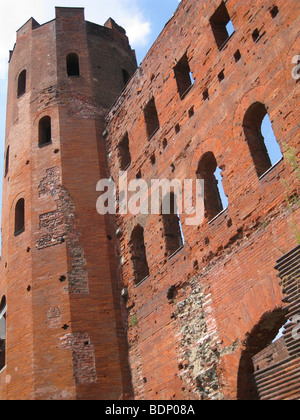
(138, 31)
(14, 13)
(126, 13)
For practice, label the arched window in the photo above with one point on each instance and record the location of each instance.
(20, 217)
(257, 340)
(260, 137)
(138, 252)
(22, 83)
(44, 131)
(126, 76)
(215, 200)
(173, 234)
(6, 161)
(73, 65)
(151, 118)
(124, 153)
(2, 333)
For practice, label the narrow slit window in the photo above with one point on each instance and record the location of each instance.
(172, 228)
(215, 200)
(22, 83)
(221, 76)
(126, 76)
(183, 75)
(20, 217)
(206, 95)
(45, 131)
(73, 65)
(255, 35)
(264, 148)
(6, 161)
(151, 118)
(191, 112)
(3, 333)
(153, 159)
(124, 153)
(222, 25)
(139, 258)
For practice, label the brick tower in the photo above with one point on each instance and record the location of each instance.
(62, 333)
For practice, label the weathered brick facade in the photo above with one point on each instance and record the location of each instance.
(199, 313)
(222, 283)
(65, 334)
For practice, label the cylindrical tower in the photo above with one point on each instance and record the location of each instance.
(61, 329)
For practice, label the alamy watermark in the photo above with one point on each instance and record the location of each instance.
(140, 197)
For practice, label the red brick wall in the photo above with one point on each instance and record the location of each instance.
(223, 280)
(191, 323)
(65, 334)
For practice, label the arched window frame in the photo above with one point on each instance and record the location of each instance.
(138, 255)
(22, 79)
(124, 153)
(45, 131)
(213, 203)
(252, 126)
(172, 228)
(126, 76)
(151, 118)
(262, 334)
(20, 217)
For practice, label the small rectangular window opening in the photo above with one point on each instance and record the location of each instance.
(184, 76)
(255, 35)
(222, 25)
(237, 56)
(221, 76)
(206, 95)
(151, 118)
(191, 112)
(274, 12)
(73, 69)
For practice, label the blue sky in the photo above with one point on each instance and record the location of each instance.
(142, 19)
